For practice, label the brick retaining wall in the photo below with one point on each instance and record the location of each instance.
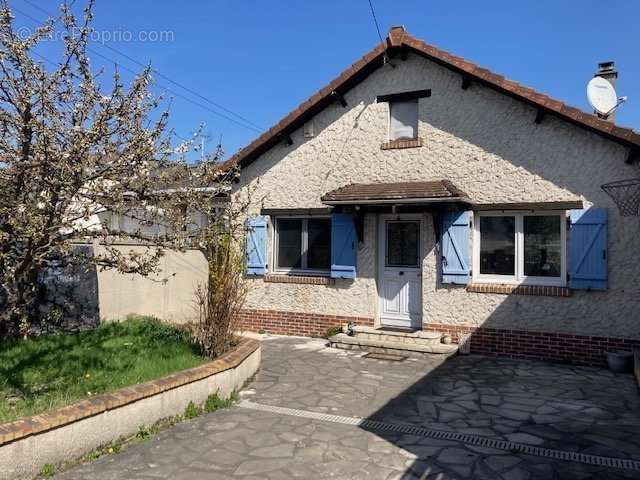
(559, 347)
(295, 323)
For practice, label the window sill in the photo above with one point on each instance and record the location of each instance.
(400, 144)
(534, 290)
(299, 279)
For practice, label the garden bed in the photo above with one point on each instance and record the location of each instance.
(66, 433)
(55, 370)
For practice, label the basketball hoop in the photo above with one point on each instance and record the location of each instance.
(626, 195)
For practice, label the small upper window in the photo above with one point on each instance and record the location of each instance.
(403, 122)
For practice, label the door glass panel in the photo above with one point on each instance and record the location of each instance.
(403, 241)
(319, 239)
(542, 246)
(289, 243)
(497, 245)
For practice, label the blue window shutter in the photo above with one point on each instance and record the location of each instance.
(454, 244)
(344, 242)
(256, 245)
(588, 249)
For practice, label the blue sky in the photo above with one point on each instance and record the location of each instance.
(261, 59)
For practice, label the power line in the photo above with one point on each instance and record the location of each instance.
(375, 20)
(157, 72)
(249, 126)
(173, 132)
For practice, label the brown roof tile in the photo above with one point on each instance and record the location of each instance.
(438, 189)
(399, 38)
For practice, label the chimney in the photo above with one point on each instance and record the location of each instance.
(607, 70)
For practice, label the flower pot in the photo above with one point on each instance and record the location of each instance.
(620, 362)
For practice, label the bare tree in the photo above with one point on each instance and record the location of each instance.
(73, 152)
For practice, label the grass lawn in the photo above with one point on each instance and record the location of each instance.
(55, 370)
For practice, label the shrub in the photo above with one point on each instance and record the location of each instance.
(220, 300)
(331, 331)
(214, 402)
(191, 411)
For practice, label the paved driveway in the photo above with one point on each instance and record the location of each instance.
(314, 412)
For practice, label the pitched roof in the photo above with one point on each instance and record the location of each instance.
(400, 42)
(438, 190)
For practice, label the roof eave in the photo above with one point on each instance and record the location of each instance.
(399, 41)
(633, 145)
(398, 201)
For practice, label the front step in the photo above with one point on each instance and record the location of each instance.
(417, 337)
(414, 344)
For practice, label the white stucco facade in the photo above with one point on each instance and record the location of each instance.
(488, 145)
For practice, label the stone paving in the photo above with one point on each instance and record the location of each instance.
(579, 409)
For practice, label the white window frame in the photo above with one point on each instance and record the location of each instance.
(417, 134)
(520, 278)
(305, 246)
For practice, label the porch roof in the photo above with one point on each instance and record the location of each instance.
(395, 193)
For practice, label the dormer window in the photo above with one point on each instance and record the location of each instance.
(403, 120)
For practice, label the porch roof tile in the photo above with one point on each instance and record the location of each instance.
(436, 190)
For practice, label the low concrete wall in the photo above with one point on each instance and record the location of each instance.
(64, 434)
(172, 300)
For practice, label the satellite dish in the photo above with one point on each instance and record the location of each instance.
(601, 95)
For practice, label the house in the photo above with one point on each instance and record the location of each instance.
(418, 190)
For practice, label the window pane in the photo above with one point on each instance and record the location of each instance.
(403, 240)
(319, 239)
(289, 243)
(497, 245)
(404, 120)
(542, 246)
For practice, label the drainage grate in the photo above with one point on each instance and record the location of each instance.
(384, 356)
(476, 440)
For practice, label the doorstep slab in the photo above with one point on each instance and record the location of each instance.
(347, 342)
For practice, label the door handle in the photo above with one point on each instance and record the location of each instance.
(400, 273)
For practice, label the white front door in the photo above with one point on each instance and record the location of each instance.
(400, 272)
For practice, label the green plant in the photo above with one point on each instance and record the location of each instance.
(143, 433)
(331, 331)
(115, 446)
(214, 402)
(191, 411)
(51, 371)
(48, 470)
(262, 331)
(221, 298)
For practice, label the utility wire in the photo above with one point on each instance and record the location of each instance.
(55, 64)
(373, 14)
(250, 126)
(385, 57)
(161, 75)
